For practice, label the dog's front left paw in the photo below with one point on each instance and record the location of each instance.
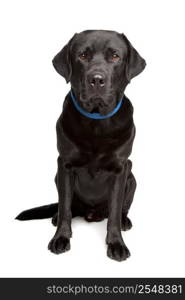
(118, 251)
(59, 245)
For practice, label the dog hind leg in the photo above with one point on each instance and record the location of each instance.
(128, 199)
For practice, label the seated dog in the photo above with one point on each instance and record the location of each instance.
(95, 134)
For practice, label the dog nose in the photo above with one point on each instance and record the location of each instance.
(96, 80)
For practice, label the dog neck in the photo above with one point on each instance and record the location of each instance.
(96, 116)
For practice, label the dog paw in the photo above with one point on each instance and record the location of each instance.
(118, 251)
(55, 219)
(59, 245)
(126, 224)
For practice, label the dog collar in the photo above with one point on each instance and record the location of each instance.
(96, 116)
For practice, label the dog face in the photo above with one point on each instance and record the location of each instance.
(99, 64)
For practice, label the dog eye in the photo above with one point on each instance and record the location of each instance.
(115, 57)
(83, 56)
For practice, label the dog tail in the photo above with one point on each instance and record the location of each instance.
(41, 212)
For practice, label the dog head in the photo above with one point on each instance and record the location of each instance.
(99, 64)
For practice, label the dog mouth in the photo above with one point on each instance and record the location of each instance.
(95, 110)
(95, 105)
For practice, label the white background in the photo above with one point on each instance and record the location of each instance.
(31, 96)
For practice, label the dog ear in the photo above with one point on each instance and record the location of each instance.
(135, 63)
(62, 61)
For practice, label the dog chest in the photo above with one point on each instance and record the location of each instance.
(91, 185)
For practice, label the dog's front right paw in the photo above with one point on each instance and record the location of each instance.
(59, 244)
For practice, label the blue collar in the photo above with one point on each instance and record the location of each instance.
(95, 116)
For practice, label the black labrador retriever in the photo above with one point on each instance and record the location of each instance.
(95, 133)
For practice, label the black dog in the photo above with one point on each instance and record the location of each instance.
(95, 133)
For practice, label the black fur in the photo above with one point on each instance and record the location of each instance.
(94, 177)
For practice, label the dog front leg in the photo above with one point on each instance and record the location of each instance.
(65, 182)
(117, 249)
